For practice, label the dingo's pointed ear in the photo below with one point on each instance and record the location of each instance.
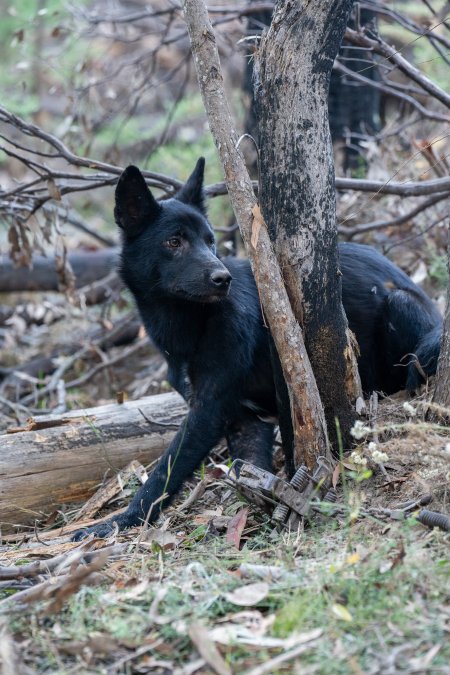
(136, 207)
(192, 190)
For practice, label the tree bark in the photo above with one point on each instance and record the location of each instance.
(310, 434)
(58, 459)
(441, 394)
(88, 267)
(297, 189)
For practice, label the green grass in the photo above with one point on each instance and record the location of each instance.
(438, 270)
(361, 604)
(364, 607)
(337, 575)
(23, 55)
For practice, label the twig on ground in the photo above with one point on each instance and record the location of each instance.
(124, 354)
(57, 589)
(110, 489)
(307, 642)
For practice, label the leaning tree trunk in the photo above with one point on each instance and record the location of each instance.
(297, 192)
(441, 394)
(308, 420)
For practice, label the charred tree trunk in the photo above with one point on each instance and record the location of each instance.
(441, 396)
(354, 107)
(297, 190)
(308, 420)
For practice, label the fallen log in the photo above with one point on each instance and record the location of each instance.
(60, 459)
(88, 267)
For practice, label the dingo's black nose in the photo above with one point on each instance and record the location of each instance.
(221, 278)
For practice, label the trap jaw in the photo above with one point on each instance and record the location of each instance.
(291, 501)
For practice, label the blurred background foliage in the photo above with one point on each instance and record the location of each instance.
(114, 82)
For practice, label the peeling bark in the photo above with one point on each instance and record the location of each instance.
(310, 434)
(297, 188)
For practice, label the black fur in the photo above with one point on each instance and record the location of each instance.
(215, 341)
(395, 322)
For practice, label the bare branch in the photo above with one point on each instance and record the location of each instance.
(391, 91)
(392, 55)
(380, 224)
(63, 152)
(410, 189)
(407, 23)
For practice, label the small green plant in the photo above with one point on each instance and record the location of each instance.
(438, 270)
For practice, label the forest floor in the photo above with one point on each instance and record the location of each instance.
(212, 587)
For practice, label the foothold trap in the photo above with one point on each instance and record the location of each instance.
(291, 500)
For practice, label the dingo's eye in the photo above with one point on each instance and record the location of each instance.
(174, 242)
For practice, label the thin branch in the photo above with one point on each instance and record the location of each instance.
(391, 91)
(124, 354)
(380, 224)
(130, 17)
(442, 12)
(414, 235)
(410, 189)
(63, 152)
(406, 22)
(381, 47)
